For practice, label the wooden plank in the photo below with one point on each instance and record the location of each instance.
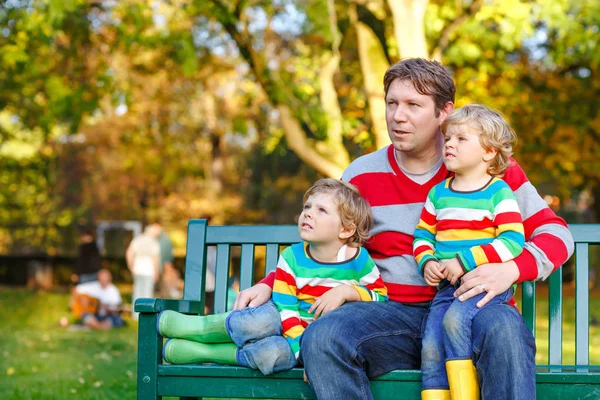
(267, 234)
(582, 304)
(222, 278)
(555, 318)
(271, 258)
(195, 261)
(247, 266)
(585, 233)
(149, 357)
(528, 300)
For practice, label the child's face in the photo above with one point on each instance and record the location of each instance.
(463, 152)
(320, 221)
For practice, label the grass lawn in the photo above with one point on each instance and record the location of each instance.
(40, 360)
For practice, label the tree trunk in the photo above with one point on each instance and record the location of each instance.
(409, 27)
(373, 64)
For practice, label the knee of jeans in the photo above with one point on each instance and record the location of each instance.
(452, 322)
(502, 324)
(269, 355)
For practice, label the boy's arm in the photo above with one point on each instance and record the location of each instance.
(509, 228)
(549, 243)
(371, 286)
(424, 237)
(284, 297)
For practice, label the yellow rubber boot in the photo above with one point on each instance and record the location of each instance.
(462, 377)
(435, 394)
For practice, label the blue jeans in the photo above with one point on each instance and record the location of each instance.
(258, 334)
(362, 340)
(448, 333)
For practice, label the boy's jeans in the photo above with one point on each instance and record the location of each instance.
(448, 333)
(258, 334)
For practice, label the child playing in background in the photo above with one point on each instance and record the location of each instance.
(469, 219)
(312, 278)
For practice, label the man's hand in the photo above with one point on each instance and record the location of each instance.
(332, 299)
(493, 278)
(254, 296)
(433, 272)
(453, 271)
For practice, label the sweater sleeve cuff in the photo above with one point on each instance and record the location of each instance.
(269, 280)
(428, 260)
(527, 266)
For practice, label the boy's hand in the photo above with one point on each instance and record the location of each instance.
(453, 270)
(433, 272)
(253, 296)
(333, 299)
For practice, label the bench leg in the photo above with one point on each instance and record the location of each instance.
(149, 357)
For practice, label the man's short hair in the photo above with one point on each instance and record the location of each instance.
(495, 132)
(428, 78)
(354, 210)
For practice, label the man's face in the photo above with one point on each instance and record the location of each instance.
(104, 278)
(412, 124)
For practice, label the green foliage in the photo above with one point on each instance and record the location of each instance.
(171, 110)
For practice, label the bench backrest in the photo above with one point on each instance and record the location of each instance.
(273, 238)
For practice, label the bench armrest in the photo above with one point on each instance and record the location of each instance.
(145, 305)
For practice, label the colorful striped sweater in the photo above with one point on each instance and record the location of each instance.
(476, 227)
(300, 279)
(397, 202)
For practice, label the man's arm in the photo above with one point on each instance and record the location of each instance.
(548, 245)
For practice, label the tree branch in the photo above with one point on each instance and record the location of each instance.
(444, 39)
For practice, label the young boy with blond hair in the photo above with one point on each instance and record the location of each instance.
(469, 219)
(314, 277)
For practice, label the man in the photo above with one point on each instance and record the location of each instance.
(109, 299)
(346, 347)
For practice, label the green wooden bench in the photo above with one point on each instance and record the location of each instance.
(155, 379)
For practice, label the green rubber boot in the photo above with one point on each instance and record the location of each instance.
(181, 351)
(207, 329)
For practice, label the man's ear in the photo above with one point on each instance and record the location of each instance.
(446, 110)
(346, 233)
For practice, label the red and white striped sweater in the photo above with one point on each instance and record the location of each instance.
(397, 201)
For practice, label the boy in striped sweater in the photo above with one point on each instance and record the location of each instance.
(469, 219)
(314, 277)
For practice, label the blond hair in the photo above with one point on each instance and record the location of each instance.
(355, 212)
(495, 132)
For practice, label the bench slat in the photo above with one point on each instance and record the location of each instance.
(236, 235)
(272, 257)
(221, 278)
(555, 318)
(195, 261)
(528, 300)
(585, 233)
(582, 298)
(247, 266)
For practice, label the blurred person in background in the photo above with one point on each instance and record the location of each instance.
(170, 281)
(143, 259)
(96, 304)
(88, 258)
